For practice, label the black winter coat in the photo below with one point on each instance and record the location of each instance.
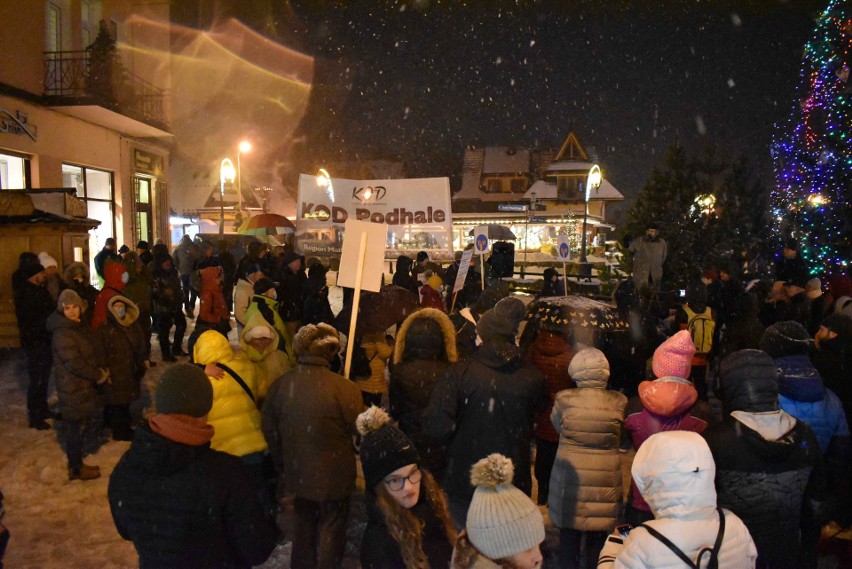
(290, 297)
(381, 551)
(484, 405)
(768, 484)
(33, 307)
(188, 506)
(315, 294)
(123, 342)
(77, 360)
(166, 293)
(833, 360)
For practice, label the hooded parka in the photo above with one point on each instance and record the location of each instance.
(267, 308)
(234, 416)
(271, 363)
(83, 287)
(675, 473)
(113, 284)
(77, 361)
(123, 343)
(425, 348)
(585, 484)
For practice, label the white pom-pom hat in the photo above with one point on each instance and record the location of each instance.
(502, 521)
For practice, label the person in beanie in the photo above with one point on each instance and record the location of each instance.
(78, 370)
(166, 299)
(503, 527)
(833, 357)
(665, 404)
(265, 303)
(309, 422)
(76, 277)
(487, 404)
(53, 282)
(106, 254)
(464, 320)
(181, 503)
(33, 306)
(144, 252)
(408, 522)
(769, 468)
(425, 348)
(790, 266)
(674, 471)
(585, 485)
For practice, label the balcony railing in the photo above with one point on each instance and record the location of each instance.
(78, 77)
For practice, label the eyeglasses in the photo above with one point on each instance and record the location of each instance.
(397, 483)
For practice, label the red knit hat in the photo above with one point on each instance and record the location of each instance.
(674, 356)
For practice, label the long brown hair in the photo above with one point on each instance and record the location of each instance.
(406, 528)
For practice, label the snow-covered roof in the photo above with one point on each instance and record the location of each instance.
(546, 191)
(506, 159)
(569, 166)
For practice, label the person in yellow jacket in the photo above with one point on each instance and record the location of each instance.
(235, 416)
(265, 304)
(259, 341)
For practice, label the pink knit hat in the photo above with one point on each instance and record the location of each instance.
(674, 356)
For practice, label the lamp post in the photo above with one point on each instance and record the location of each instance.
(226, 172)
(593, 181)
(245, 146)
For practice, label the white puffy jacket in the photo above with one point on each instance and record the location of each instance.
(675, 473)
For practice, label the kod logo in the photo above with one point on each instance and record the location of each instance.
(481, 242)
(368, 193)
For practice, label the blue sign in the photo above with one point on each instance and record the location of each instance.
(482, 242)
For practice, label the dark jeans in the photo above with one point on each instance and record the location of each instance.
(545, 456)
(74, 443)
(189, 293)
(319, 539)
(259, 465)
(118, 419)
(39, 362)
(145, 322)
(569, 548)
(167, 320)
(698, 376)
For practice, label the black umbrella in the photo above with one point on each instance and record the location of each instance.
(496, 232)
(378, 311)
(575, 311)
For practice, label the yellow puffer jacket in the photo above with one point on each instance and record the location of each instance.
(271, 363)
(234, 415)
(267, 308)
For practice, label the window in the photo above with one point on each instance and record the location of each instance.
(494, 186)
(53, 28)
(519, 185)
(95, 187)
(14, 172)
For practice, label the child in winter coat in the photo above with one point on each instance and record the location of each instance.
(665, 404)
(78, 371)
(409, 523)
(504, 528)
(585, 486)
(675, 471)
(123, 342)
(430, 292)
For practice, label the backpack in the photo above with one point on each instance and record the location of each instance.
(701, 327)
(713, 562)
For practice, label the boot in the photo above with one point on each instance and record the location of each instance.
(167, 353)
(85, 472)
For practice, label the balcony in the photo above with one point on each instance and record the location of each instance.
(97, 88)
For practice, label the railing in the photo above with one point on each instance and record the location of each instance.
(87, 75)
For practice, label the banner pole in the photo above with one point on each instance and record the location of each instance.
(453, 305)
(565, 278)
(482, 269)
(356, 302)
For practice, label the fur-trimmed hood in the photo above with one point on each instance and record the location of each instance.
(420, 338)
(130, 315)
(74, 268)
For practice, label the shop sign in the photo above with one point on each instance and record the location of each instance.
(511, 207)
(147, 163)
(417, 212)
(17, 123)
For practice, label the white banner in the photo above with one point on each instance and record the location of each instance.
(417, 212)
(464, 266)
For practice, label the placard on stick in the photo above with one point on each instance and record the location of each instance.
(374, 255)
(563, 253)
(464, 265)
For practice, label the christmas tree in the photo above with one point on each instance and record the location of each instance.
(813, 150)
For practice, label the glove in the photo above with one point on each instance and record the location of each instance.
(104, 378)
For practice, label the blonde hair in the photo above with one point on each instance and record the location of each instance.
(406, 528)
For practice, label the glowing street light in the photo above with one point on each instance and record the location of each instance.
(226, 173)
(245, 146)
(593, 182)
(324, 181)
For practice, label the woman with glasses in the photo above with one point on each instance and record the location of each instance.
(409, 523)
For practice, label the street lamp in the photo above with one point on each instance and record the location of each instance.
(226, 173)
(593, 182)
(245, 146)
(324, 182)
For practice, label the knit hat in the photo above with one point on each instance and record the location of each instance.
(502, 320)
(260, 331)
(290, 256)
(589, 368)
(32, 269)
(184, 389)
(142, 245)
(813, 288)
(316, 340)
(674, 356)
(46, 260)
(749, 382)
(501, 521)
(69, 297)
(124, 249)
(384, 448)
(262, 285)
(785, 339)
(840, 324)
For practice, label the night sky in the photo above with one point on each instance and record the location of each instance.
(423, 79)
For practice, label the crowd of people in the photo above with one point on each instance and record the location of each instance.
(470, 423)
